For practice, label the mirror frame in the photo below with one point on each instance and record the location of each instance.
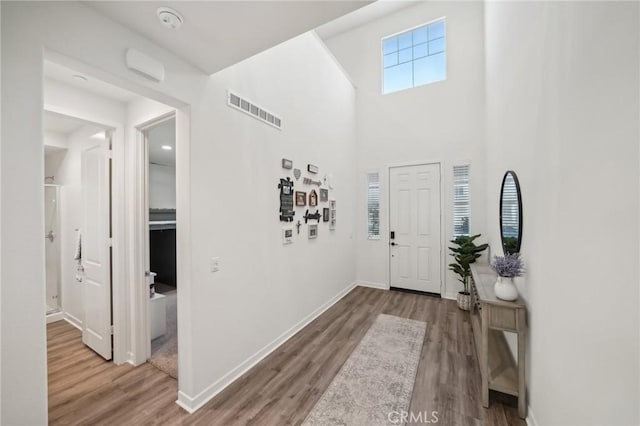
(517, 183)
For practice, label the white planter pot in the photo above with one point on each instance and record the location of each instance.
(464, 301)
(505, 289)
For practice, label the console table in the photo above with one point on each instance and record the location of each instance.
(490, 317)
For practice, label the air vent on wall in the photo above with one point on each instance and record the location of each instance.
(241, 104)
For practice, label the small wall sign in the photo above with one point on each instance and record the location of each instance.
(286, 200)
(287, 164)
(312, 169)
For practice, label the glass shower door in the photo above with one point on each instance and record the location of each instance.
(52, 247)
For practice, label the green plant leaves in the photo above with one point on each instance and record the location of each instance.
(465, 254)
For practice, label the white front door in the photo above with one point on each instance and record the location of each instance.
(414, 222)
(96, 251)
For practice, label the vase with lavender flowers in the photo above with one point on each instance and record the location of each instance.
(507, 267)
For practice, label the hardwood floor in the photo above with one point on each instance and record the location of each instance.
(284, 387)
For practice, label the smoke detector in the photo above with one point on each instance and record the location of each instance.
(170, 18)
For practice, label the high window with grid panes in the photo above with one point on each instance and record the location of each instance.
(414, 58)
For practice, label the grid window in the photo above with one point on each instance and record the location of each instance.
(461, 201)
(414, 58)
(373, 206)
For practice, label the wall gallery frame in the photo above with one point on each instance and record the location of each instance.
(286, 200)
(287, 164)
(301, 198)
(287, 235)
(332, 215)
(313, 198)
(313, 231)
(325, 214)
(324, 195)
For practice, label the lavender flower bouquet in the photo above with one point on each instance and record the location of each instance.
(508, 266)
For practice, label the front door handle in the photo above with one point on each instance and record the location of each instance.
(393, 243)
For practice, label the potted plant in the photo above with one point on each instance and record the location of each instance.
(465, 253)
(508, 266)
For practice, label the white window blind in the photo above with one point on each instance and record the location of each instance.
(461, 201)
(373, 206)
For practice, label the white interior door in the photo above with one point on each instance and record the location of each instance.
(96, 253)
(414, 222)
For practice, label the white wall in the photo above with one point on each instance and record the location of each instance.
(74, 102)
(442, 122)
(162, 186)
(562, 111)
(264, 288)
(53, 158)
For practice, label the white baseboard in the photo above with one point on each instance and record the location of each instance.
(531, 419)
(191, 404)
(371, 284)
(73, 321)
(55, 317)
(130, 358)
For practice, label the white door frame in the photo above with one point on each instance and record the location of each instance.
(143, 345)
(442, 221)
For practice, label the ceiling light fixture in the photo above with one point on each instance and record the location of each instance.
(167, 147)
(170, 18)
(81, 78)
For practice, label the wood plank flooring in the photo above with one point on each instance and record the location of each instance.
(284, 387)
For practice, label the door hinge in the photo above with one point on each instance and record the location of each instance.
(110, 154)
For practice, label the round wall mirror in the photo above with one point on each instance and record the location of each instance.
(510, 213)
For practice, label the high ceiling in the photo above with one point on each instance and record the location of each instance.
(362, 16)
(217, 34)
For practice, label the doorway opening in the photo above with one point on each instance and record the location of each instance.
(415, 247)
(160, 141)
(70, 144)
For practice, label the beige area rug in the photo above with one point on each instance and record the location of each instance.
(164, 349)
(375, 384)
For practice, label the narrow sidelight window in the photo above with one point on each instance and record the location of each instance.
(461, 201)
(373, 206)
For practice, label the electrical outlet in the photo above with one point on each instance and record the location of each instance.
(215, 264)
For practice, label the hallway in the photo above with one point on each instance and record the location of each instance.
(285, 386)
